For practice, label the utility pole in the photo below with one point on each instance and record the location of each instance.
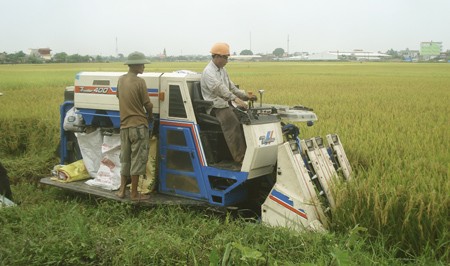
(288, 45)
(117, 49)
(250, 41)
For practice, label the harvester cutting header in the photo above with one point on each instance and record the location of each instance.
(287, 178)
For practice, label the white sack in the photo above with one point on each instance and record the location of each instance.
(108, 174)
(91, 149)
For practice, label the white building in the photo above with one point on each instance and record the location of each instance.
(361, 55)
(43, 53)
(324, 56)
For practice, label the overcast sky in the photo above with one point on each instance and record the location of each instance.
(91, 27)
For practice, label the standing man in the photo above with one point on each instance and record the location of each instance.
(134, 135)
(218, 88)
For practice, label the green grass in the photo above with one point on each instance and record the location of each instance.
(53, 227)
(393, 119)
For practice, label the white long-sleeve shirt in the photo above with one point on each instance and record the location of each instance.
(218, 88)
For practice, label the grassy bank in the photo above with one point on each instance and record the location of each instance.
(53, 227)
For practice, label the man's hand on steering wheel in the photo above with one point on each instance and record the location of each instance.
(240, 104)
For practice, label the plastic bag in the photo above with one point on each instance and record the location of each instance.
(73, 121)
(5, 202)
(71, 172)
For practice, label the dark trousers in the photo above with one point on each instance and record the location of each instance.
(5, 188)
(232, 131)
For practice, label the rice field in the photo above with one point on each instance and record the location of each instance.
(393, 120)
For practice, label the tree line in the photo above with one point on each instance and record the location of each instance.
(62, 57)
(23, 58)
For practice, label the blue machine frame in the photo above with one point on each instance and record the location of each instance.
(183, 170)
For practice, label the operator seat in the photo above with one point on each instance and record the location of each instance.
(200, 106)
(211, 135)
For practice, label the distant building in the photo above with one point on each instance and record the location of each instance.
(163, 55)
(298, 56)
(304, 56)
(3, 56)
(360, 55)
(43, 53)
(430, 50)
(245, 57)
(410, 55)
(324, 56)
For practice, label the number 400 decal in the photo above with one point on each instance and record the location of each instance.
(103, 90)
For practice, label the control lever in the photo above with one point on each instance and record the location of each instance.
(250, 102)
(260, 97)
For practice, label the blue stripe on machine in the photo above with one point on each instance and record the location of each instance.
(283, 200)
(282, 197)
(149, 90)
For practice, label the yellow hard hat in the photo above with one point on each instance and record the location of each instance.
(220, 48)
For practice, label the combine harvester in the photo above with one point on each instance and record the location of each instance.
(288, 179)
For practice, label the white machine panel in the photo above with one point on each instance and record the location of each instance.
(262, 148)
(293, 114)
(293, 201)
(97, 90)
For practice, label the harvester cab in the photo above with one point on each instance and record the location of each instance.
(289, 179)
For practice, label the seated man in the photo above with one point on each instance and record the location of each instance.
(218, 88)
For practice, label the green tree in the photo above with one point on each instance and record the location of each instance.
(279, 52)
(60, 57)
(32, 59)
(394, 54)
(246, 52)
(17, 58)
(76, 58)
